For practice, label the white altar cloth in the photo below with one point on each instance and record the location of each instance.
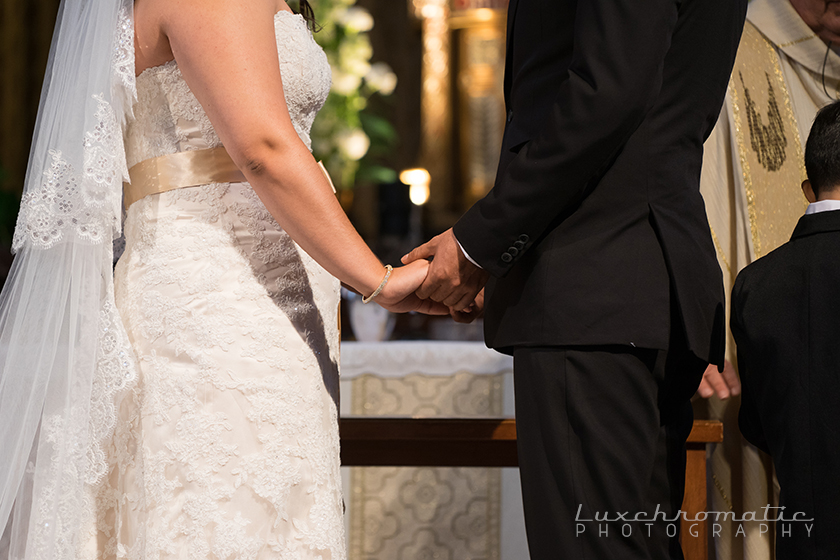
(427, 357)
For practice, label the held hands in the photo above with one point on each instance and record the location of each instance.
(452, 279)
(448, 285)
(723, 384)
(475, 311)
(398, 295)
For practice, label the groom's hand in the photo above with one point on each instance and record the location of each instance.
(452, 279)
(475, 311)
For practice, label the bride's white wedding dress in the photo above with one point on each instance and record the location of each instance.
(228, 448)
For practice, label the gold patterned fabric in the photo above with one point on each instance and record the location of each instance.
(767, 138)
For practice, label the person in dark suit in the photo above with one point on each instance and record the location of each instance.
(786, 322)
(603, 280)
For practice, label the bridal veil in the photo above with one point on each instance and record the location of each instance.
(65, 360)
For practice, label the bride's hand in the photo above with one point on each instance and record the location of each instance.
(398, 294)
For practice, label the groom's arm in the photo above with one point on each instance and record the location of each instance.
(614, 79)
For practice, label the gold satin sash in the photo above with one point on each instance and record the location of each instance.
(185, 169)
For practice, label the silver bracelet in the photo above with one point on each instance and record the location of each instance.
(388, 270)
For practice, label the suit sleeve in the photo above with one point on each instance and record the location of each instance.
(749, 419)
(613, 81)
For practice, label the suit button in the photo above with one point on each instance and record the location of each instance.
(519, 245)
(510, 115)
(507, 257)
(513, 251)
(524, 238)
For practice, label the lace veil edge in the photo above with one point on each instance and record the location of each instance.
(65, 359)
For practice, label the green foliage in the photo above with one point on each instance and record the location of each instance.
(347, 135)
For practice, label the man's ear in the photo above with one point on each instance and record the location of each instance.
(808, 191)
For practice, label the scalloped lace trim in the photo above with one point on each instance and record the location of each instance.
(71, 202)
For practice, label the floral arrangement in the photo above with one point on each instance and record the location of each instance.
(346, 136)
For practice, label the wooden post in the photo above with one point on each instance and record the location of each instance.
(694, 535)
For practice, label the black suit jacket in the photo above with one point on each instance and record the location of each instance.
(596, 220)
(786, 323)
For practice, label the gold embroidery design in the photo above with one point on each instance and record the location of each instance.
(772, 163)
(767, 141)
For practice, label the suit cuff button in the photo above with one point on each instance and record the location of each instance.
(519, 245)
(507, 257)
(524, 238)
(513, 251)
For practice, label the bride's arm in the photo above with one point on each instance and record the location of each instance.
(227, 53)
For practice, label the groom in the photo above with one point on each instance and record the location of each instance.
(603, 281)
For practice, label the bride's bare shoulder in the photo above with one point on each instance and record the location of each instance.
(155, 21)
(151, 47)
(168, 12)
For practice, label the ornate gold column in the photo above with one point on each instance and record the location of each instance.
(481, 42)
(436, 106)
(462, 163)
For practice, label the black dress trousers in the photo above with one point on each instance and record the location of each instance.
(594, 443)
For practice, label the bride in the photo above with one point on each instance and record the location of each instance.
(184, 406)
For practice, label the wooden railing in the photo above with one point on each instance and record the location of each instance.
(491, 442)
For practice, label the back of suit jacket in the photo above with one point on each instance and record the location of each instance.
(786, 322)
(595, 222)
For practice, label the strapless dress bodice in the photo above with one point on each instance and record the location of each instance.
(168, 118)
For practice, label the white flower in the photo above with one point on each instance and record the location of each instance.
(354, 55)
(380, 78)
(344, 83)
(356, 20)
(353, 144)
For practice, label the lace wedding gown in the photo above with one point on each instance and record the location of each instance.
(228, 448)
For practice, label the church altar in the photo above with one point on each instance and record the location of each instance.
(449, 512)
(425, 403)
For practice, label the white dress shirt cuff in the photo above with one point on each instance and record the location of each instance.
(469, 258)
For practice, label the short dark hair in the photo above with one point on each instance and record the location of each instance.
(822, 151)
